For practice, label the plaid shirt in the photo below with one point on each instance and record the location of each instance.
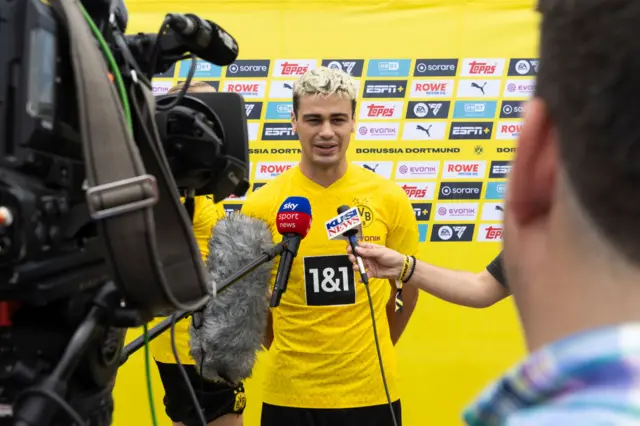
(591, 378)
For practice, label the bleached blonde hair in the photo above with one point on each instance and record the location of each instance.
(324, 81)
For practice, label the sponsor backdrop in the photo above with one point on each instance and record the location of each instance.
(440, 98)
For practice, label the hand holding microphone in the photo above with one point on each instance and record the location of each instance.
(380, 261)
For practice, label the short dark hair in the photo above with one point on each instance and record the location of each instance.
(589, 79)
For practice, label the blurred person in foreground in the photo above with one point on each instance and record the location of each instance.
(572, 227)
(222, 405)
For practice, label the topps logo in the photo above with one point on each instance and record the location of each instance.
(481, 68)
(293, 68)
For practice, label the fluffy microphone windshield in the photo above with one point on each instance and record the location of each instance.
(234, 321)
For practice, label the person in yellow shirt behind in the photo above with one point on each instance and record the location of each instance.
(222, 405)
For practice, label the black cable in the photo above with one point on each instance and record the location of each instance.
(375, 335)
(192, 392)
(73, 414)
(183, 91)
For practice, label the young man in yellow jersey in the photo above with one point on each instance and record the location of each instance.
(322, 365)
(222, 405)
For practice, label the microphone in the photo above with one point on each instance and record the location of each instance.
(233, 323)
(348, 226)
(293, 222)
(204, 38)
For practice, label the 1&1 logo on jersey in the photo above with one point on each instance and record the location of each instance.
(452, 233)
(329, 280)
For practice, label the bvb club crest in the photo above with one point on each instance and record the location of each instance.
(366, 213)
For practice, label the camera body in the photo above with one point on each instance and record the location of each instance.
(67, 293)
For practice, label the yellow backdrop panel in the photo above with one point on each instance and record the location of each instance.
(470, 119)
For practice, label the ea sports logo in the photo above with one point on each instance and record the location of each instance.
(523, 67)
(335, 65)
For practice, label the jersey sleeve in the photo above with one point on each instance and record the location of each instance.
(497, 271)
(403, 231)
(206, 215)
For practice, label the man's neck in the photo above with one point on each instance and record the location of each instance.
(324, 177)
(578, 296)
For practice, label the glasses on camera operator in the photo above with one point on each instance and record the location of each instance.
(222, 405)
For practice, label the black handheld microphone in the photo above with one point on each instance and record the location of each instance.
(205, 39)
(351, 235)
(293, 222)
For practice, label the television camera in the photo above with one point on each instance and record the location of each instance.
(94, 237)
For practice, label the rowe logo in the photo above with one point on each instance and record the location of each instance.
(463, 169)
(265, 171)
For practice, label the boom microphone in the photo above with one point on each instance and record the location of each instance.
(225, 345)
(204, 38)
(293, 222)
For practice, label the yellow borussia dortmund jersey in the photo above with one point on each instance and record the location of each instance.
(205, 216)
(323, 354)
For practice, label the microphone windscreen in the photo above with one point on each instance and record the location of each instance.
(234, 321)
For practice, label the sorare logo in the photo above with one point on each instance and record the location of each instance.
(460, 190)
(511, 109)
(388, 67)
(248, 68)
(435, 68)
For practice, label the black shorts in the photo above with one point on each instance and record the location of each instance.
(376, 415)
(215, 399)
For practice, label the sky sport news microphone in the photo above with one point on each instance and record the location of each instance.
(293, 223)
(222, 404)
(323, 356)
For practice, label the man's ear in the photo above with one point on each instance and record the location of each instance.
(531, 180)
(294, 122)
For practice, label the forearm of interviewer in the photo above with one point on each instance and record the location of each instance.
(398, 320)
